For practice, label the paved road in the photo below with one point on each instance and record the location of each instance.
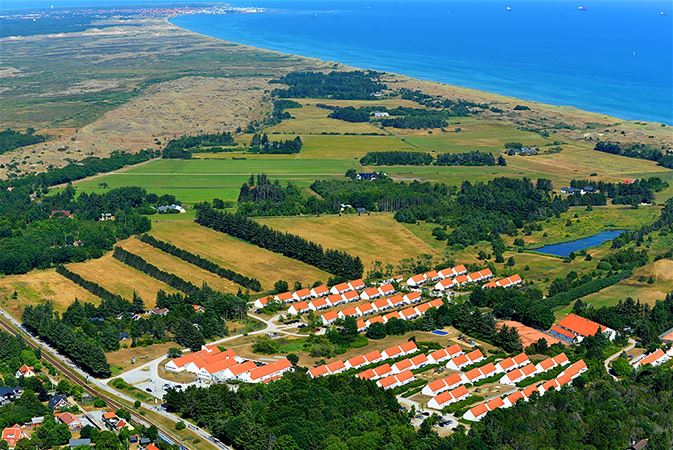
(632, 343)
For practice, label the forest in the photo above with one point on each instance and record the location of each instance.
(341, 264)
(640, 151)
(10, 139)
(64, 228)
(355, 85)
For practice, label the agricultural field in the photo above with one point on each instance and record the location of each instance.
(120, 279)
(176, 266)
(372, 237)
(37, 287)
(229, 252)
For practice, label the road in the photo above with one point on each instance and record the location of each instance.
(98, 388)
(632, 343)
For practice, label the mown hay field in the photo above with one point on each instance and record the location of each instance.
(120, 279)
(372, 237)
(234, 254)
(38, 287)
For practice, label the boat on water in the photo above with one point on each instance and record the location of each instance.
(509, 8)
(583, 8)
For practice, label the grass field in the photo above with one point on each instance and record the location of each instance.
(371, 237)
(37, 287)
(120, 279)
(229, 252)
(178, 267)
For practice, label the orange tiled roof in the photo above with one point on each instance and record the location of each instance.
(580, 325)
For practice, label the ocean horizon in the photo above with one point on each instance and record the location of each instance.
(544, 51)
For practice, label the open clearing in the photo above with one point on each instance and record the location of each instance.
(121, 279)
(637, 286)
(371, 237)
(234, 254)
(178, 267)
(39, 286)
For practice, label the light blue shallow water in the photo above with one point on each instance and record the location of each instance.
(566, 248)
(614, 58)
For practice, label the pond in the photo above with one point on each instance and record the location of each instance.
(566, 248)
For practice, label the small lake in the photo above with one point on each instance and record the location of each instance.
(566, 248)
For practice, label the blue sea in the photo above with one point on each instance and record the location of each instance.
(613, 57)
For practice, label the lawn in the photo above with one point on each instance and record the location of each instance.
(37, 287)
(237, 255)
(120, 279)
(371, 237)
(176, 266)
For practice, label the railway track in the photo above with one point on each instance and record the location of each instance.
(71, 375)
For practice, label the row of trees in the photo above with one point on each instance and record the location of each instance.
(78, 170)
(641, 151)
(401, 158)
(336, 262)
(138, 263)
(247, 282)
(664, 224)
(11, 139)
(91, 286)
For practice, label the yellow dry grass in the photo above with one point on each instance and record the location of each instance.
(313, 120)
(371, 237)
(120, 279)
(178, 267)
(232, 253)
(122, 359)
(38, 287)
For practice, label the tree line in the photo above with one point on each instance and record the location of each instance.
(11, 139)
(138, 263)
(402, 158)
(336, 262)
(247, 282)
(459, 107)
(91, 286)
(641, 151)
(78, 170)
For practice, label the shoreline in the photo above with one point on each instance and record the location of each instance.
(470, 90)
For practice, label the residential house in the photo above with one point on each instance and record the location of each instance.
(464, 360)
(70, 420)
(517, 375)
(444, 354)
(299, 308)
(58, 402)
(25, 372)
(512, 363)
(357, 285)
(416, 280)
(450, 382)
(447, 397)
(13, 434)
(319, 291)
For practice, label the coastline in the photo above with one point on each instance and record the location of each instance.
(562, 104)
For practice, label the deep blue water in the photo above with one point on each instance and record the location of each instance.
(566, 248)
(615, 58)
